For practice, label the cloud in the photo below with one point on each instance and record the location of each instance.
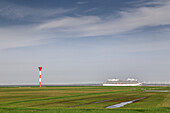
(128, 20)
(67, 22)
(14, 11)
(149, 46)
(20, 36)
(85, 26)
(81, 2)
(90, 10)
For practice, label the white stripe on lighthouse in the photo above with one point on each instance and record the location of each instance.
(39, 79)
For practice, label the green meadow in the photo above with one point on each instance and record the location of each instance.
(84, 99)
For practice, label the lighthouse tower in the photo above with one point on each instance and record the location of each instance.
(40, 68)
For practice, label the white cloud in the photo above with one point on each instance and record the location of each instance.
(130, 19)
(67, 22)
(20, 36)
(82, 26)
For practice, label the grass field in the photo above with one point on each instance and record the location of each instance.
(83, 99)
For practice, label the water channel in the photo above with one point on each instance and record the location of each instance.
(124, 103)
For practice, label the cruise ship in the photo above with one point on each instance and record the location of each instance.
(117, 82)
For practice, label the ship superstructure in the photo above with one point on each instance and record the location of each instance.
(117, 82)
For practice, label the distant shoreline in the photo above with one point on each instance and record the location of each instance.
(75, 85)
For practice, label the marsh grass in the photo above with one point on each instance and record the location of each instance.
(82, 99)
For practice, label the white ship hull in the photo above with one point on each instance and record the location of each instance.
(138, 84)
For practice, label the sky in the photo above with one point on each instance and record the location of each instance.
(84, 41)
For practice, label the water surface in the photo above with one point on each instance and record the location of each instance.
(124, 103)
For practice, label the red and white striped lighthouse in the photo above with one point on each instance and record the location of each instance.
(40, 68)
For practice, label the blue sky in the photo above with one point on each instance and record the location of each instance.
(81, 41)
